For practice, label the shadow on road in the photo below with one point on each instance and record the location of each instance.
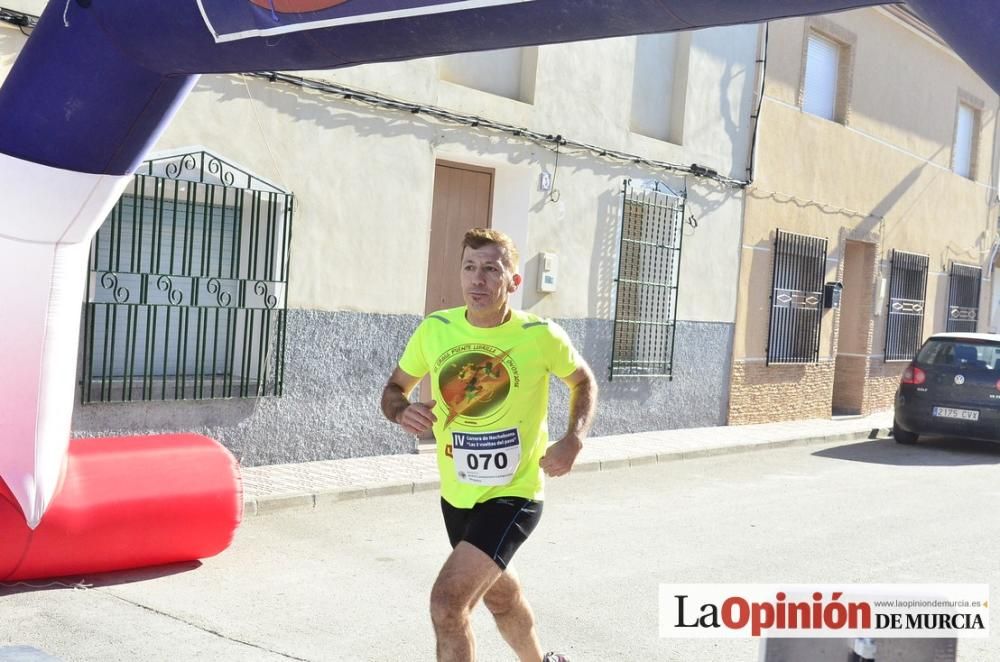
(938, 451)
(98, 580)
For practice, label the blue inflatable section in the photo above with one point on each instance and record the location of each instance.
(92, 96)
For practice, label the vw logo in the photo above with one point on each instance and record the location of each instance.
(959, 379)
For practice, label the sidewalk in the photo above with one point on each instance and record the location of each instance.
(310, 485)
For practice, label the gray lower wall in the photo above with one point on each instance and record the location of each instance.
(337, 363)
(696, 396)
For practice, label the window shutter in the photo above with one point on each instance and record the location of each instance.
(964, 130)
(820, 91)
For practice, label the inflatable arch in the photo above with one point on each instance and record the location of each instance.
(97, 82)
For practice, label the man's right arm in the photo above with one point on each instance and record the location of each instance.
(415, 417)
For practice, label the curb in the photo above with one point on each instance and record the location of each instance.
(304, 501)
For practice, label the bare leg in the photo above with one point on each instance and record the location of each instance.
(516, 623)
(464, 578)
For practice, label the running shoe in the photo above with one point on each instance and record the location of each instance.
(555, 657)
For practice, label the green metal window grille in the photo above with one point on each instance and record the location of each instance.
(964, 283)
(649, 258)
(907, 292)
(796, 298)
(188, 286)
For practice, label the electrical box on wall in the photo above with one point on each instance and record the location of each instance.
(832, 294)
(548, 272)
(545, 182)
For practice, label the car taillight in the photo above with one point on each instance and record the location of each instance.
(914, 375)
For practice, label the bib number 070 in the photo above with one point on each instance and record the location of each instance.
(473, 460)
(486, 458)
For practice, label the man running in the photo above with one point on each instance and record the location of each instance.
(489, 368)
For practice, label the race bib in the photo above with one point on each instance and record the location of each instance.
(486, 458)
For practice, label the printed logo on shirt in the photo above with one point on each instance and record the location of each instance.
(475, 380)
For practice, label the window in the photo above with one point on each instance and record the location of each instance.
(961, 354)
(907, 291)
(822, 78)
(507, 73)
(187, 288)
(646, 288)
(796, 298)
(964, 151)
(653, 86)
(963, 297)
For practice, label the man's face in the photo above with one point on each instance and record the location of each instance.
(487, 282)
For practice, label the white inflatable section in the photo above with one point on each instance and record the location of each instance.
(49, 218)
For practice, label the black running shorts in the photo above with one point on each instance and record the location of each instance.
(497, 527)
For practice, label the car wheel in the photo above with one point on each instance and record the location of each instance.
(903, 436)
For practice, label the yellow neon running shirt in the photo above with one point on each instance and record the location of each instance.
(491, 388)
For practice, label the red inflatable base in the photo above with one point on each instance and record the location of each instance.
(127, 502)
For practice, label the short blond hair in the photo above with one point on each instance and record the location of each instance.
(478, 237)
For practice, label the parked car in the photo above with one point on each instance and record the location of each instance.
(951, 388)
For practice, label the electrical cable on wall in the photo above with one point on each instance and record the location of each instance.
(824, 207)
(18, 19)
(554, 194)
(549, 141)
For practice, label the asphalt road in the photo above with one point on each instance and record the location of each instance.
(349, 582)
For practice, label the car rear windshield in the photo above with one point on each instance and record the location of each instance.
(960, 354)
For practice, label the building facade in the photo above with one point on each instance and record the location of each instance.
(876, 170)
(261, 277)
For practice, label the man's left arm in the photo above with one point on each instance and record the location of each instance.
(560, 456)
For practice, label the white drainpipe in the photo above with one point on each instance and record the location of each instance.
(994, 325)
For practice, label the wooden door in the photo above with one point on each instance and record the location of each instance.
(463, 199)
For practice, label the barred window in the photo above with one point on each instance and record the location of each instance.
(188, 283)
(646, 288)
(796, 298)
(907, 293)
(963, 297)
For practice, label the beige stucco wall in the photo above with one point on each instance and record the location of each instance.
(891, 181)
(883, 177)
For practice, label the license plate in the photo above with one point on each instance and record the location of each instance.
(948, 412)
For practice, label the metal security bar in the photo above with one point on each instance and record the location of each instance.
(963, 297)
(796, 298)
(188, 286)
(646, 287)
(907, 293)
